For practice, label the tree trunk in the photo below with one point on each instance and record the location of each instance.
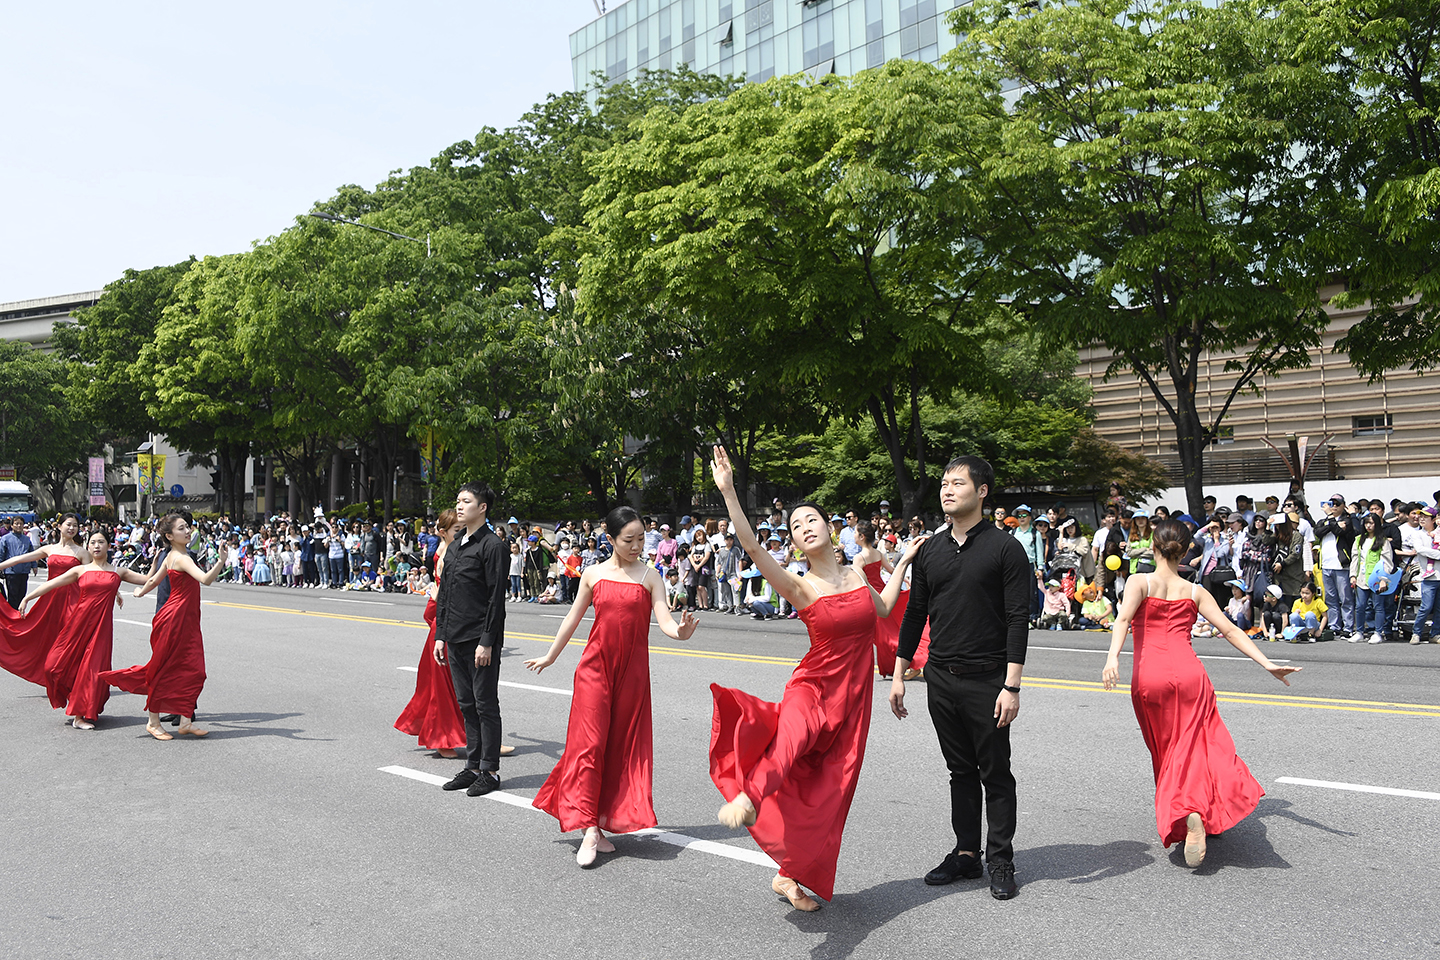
(1190, 441)
(270, 486)
(882, 412)
(596, 480)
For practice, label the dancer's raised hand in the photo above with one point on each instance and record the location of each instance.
(686, 626)
(538, 664)
(1282, 673)
(722, 471)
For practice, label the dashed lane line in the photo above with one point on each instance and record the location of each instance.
(1360, 788)
(651, 833)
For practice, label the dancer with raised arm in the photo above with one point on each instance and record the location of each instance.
(789, 770)
(175, 675)
(603, 779)
(433, 714)
(1201, 786)
(82, 652)
(871, 562)
(25, 642)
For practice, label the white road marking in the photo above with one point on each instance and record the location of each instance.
(651, 833)
(138, 623)
(1127, 653)
(561, 616)
(374, 603)
(1360, 788)
(531, 686)
(409, 669)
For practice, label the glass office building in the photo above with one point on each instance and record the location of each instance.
(759, 38)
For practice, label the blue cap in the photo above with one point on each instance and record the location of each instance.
(1185, 518)
(1140, 512)
(512, 520)
(837, 519)
(1023, 508)
(1236, 583)
(685, 519)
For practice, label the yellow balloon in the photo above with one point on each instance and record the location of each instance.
(1112, 563)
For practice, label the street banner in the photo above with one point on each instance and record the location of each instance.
(97, 481)
(8, 473)
(150, 473)
(431, 450)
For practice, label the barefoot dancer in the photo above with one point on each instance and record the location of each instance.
(25, 642)
(1201, 786)
(433, 713)
(175, 675)
(603, 779)
(82, 652)
(789, 769)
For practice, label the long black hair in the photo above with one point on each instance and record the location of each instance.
(620, 518)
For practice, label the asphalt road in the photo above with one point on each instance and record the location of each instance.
(290, 832)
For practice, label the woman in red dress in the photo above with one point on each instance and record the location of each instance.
(433, 714)
(25, 641)
(82, 652)
(871, 562)
(1201, 786)
(175, 675)
(789, 770)
(603, 779)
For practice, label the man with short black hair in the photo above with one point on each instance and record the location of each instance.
(470, 632)
(1336, 537)
(973, 584)
(17, 578)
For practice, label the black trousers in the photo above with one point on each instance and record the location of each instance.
(16, 586)
(978, 754)
(478, 691)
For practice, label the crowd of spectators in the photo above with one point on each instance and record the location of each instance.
(1361, 570)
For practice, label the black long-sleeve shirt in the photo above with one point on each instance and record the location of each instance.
(976, 596)
(470, 605)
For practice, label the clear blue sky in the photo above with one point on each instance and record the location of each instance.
(139, 133)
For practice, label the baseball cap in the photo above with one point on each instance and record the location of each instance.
(1052, 582)
(1275, 591)
(512, 520)
(533, 539)
(1140, 512)
(836, 518)
(664, 526)
(1337, 499)
(1185, 518)
(1023, 508)
(1238, 518)
(1042, 519)
(1237, 582)
(685, 519)
(884, 503)
(774, 536)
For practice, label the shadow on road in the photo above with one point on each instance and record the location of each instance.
(1082, 862)
(1247, 844)
(850, 918)
(233, 726)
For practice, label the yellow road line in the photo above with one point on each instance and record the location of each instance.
(1046, 683)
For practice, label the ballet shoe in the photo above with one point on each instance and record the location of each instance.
(791, 891)
(192, 731)
(506, 750)
(80, 723)
(585, 856)
(158, 733)
(604, 845)
(738, 813)
(1194, 840)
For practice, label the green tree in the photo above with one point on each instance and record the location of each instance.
(44, 432)
(1376, 59)
(816, 238)
(1153, 193)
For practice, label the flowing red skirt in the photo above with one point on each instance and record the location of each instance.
(25, 642)
(799, 760)
(175, 675)
(82, 654)
(604, 777)
(433, 714)
(1193, 755)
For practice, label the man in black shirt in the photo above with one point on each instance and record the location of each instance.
(470, 632)
(973, 582)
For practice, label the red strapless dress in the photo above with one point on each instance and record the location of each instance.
(1196, 769)
(175, 675)
(604, 777)
(72, 671)
(433, 713)
(799, 760)
(25, 642)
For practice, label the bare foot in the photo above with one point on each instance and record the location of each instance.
(158, 732)
(191, 730)
(1194, 840)
(80, 723)
(791, 891)
(738, 813)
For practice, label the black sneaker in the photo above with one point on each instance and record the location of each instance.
(485, 781)
(1002, 880)
(462, 780)
(952, 868)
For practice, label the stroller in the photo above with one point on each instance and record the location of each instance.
(1407, 601)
